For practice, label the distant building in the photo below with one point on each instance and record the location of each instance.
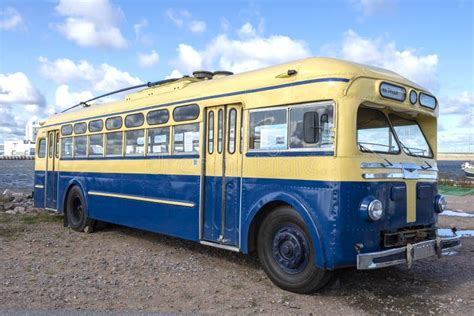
(31, 130)
(1, 150)
(18, 148)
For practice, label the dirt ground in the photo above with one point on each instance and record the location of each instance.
(44, 266)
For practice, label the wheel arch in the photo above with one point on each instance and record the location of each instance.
(73, 182)
(265, 206)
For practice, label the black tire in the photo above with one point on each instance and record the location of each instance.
(286, 252)
(76, 210)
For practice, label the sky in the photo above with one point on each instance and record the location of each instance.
(56, 53)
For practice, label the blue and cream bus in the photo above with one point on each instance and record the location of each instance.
(316, 164)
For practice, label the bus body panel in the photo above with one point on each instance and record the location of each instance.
(174, 220)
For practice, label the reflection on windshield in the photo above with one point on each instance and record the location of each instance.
(410, 136)
(374, 133)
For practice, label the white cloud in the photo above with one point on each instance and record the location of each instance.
(370, 7)
(19, 100)
(174, 74)
(459, 104)
(409, 62)
(91, 23)
(247, 30)
(101, 78)
(65, 98)
(184, 19)
(250, 52)
(148, 60)
(10, 19)
(16, 89)
(140, 36)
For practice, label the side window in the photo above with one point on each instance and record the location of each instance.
(96, 145)
(157, 117)
(186, 138)
(232, 130)
(325, 113)
(220, 132)
(158, 140)
(268, 129)
(51, 145)
(57, 145)
(66, 148)
(42, 148)
(80, 146)
(114, 144)
(96, 126)
(80, 128)
(210, 133)
(66, 130)
(186, 112)
(134, 120)
(113, 123)
(135, 142)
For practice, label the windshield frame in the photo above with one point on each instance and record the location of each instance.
(402, 145)
(390, 128)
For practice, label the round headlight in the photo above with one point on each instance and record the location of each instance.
(375, 210)
(440, 203)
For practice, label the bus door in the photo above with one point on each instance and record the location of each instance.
(52, 161)
(222, 175)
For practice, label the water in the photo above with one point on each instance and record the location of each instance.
(18, 175)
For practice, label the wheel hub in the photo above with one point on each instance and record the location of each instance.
(290, 249)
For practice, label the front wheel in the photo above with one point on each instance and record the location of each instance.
(76, 211)
(286, 253)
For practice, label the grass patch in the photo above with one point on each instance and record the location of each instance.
(457, 191)
(40, 218)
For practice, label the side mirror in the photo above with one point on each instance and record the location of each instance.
(311, 127)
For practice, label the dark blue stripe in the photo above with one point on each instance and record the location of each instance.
(136, 157)
(280, 86)
(289, 153)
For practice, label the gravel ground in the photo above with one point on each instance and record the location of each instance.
(45, 266)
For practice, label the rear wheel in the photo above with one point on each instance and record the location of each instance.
(76, 211)
(286, 252)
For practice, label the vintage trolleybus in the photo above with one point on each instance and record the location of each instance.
(316, 164)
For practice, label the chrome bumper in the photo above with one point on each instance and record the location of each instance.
(408, 254)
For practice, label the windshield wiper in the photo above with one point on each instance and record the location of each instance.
(374, 152)
(428, 167)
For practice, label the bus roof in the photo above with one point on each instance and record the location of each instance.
(190, 88)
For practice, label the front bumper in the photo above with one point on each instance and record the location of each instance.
(409, 253)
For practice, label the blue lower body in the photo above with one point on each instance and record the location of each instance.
(330, 209)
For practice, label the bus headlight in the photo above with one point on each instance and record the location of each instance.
(375, 210)
(440, 203)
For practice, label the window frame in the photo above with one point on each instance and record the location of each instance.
(135, 114)
(172, 149)
(210, 128)
(89, 145)
(158, 110)
(400, 142)
(125, 138)
(147, 141)
(65, 126)
(288, 108)
(80, 124)
(39, 147)
(232, 110)
(93, 121)
(116, 128)
(389, 126)
(105, 143)
(195, 105)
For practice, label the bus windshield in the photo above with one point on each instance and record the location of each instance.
(410, 136)
(374, 133)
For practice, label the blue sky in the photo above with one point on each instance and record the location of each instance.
(56, 53)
